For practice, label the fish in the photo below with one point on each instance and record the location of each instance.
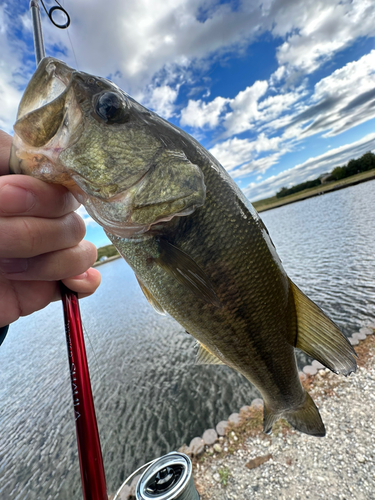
(198, 248)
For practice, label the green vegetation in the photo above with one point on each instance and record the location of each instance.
(224, 474)
(106, 251)
(363, 164)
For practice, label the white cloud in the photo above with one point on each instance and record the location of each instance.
(161, 100)
(310, 169)
(199, 114)
(134, 41)
(234, 153)
(245, 108)
(317, 29)
(89, 221)
(339, 102)
(11, 72)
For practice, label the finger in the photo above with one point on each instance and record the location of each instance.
(85, 284)
(24, 195)
(25, 237)
(26, 297)
(5, 143)
(51, 266)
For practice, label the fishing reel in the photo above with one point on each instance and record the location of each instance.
(166, 478)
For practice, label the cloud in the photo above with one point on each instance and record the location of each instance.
(161, 100)
(236, 154)
(12, 72)
(143, 38)
(317, 30)
(198, 114)
(89, 221)
(310, 169)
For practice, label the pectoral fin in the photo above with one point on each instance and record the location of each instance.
(320, 338)
(205, 357)
(187, 272)
(155, 304)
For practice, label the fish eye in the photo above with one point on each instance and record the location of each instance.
(111, 108)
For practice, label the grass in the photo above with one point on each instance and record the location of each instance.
(224, 474)
(274, 202)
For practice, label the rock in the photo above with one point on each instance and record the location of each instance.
(257, 403)
(125, 492)
(196, 446)
(185, 449)
(234, 418)
(353, 341)
(221, 427)
(216, 477)
(361, 459)
(209, 437)
(359, 335)
(310, 370)
(367, 330)
(316, 364)
(244, 409)
(256, 462)
(217, 448)
(133, 485)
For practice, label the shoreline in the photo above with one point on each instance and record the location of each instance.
(109, 259)
(316, 191)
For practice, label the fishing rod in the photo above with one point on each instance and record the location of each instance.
(89, 450)
(166, 478)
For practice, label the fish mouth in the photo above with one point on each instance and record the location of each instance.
(49, 118)
(50, 80)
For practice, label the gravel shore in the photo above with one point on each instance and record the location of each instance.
(296, 466)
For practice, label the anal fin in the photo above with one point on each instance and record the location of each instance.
(319, 337)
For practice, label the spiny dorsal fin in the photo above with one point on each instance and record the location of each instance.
(205, 357)
(320, 338)
(155, 304)
(187, 272)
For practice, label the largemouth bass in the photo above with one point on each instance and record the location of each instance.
(197, 246)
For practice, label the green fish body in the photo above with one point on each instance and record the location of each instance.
(198, 248)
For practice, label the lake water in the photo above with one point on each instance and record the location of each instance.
(150, 397)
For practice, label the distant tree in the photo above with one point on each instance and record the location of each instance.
(280, 193)
(338, 173)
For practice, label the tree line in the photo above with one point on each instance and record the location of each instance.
(362, 164)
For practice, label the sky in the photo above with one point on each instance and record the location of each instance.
(279, 91)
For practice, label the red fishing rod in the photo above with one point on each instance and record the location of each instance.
(89, 450)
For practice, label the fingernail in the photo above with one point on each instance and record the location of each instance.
(79, 277)
(9, 266)
(14, 199)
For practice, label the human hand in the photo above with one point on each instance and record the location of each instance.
(41, 243)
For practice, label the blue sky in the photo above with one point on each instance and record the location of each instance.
(279, 91)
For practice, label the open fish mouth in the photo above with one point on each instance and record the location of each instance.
(49, 82)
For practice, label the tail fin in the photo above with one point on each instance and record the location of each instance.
(320, 338)
(305, 419)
